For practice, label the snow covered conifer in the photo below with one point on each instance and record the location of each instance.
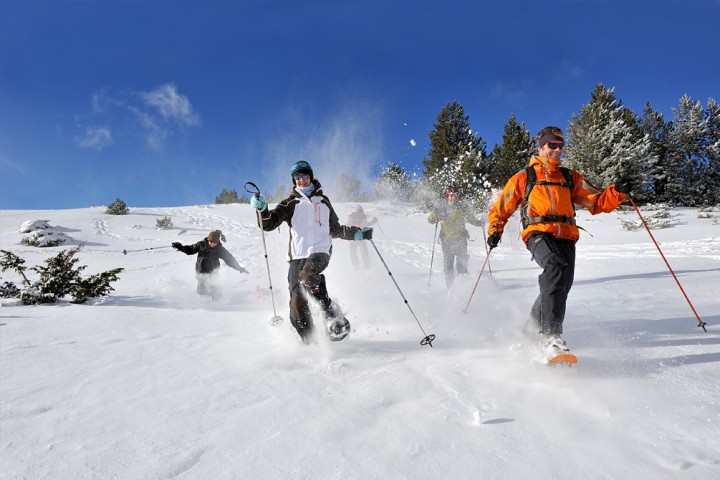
(118, 207)
(513, 155)
(604, 136)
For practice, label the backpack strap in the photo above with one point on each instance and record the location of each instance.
(530, 184)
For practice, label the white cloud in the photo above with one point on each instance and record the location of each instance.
(171, 105)
(95, 137)
(158, 114)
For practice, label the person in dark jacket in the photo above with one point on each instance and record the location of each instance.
(209, 253)
(313, 224)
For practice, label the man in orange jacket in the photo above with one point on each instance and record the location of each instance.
(549, 229)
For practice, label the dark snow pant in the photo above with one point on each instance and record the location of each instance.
(305, 278)
(557, 258)
(454, 257)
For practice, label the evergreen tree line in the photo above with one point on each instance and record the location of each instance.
(675, 161)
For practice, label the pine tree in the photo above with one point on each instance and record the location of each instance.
(394, 184)
(686, 143)
(118, 207)
(712, 172)
(604, 138)
(456, 157)
(513, 155)
(227, 196)
(58, 277)
(347, 189)
(657, 129)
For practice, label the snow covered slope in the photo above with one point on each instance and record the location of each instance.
(156, 382)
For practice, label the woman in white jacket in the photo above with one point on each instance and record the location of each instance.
(313, 224)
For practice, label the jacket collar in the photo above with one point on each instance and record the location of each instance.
(545, 162)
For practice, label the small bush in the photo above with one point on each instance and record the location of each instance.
(41, 234)
(58, 277)
(658, 220)
(118, 207)
(164, 223)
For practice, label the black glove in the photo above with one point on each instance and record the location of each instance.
(242, 270)
(493, 240)
(176, 245)
(623, 185)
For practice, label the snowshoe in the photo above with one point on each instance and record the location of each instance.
(555, 351)
(336, 325)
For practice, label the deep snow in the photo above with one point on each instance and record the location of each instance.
(156, 382)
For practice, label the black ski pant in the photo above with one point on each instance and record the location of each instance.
(557, 259)
(305, 278)
(455, 256)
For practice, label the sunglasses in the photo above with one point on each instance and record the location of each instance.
(555, 145)
(301, 176)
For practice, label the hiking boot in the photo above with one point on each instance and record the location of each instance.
(552, 343)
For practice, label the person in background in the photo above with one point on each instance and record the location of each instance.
(549, 229)
(360, 249)
(313, 224)
(209, 252)
(453, 234)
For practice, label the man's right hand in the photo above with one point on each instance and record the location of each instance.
(176, 245)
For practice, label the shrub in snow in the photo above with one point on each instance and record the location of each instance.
(43, 238)
(41, 234)
(118, 207)
(660, 219)
(163, 223)
(34, 225)
(59, 276)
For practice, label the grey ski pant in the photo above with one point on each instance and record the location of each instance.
(557, 259)
(455, 256)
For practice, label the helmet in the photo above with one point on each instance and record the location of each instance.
(451, 190)
(301, 166)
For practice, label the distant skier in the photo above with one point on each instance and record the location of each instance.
(209, 251)
(453, 234)
(549, 229)
(359, 219)
(313, 224)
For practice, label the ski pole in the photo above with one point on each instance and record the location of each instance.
(432, 256)
(381, 229)
(428, 339)
(125, 252)
(276, 319)
(487, 251)
(478, 280)
(701, 324)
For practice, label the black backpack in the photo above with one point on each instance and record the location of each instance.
(531, 182)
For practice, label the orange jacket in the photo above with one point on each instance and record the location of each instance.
(555, 200)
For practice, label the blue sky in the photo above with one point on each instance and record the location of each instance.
(164, 103)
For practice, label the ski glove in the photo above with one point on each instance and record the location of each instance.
(493, 240)
(242, 270)
(623, 185)
(176, 245)
(258, 202)
(364, 234)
